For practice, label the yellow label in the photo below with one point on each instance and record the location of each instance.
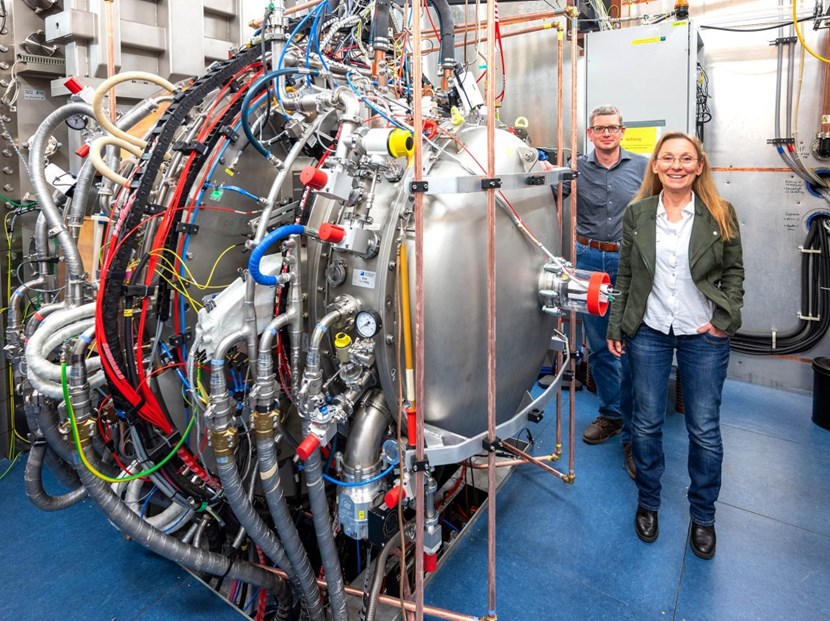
(825, 118)
(683, 23)
(649, 40)
(229, 172)
(361, 515)
(640, 139)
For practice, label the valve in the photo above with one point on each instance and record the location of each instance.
(430, 562)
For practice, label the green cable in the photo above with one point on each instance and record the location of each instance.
(70, 412)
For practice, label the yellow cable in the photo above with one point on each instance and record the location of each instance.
(192, 280)
(801, 39)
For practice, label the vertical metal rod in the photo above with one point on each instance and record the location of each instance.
(560, 162)
(417, 162)
(110, 30)
(491, 309)
(572, 398)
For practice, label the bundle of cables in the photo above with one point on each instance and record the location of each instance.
(815, 300)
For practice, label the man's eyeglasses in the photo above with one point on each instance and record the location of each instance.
(687, 161)
(611, 129)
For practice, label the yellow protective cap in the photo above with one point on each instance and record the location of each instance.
(400, 143)
(456, 117)
(342, 340)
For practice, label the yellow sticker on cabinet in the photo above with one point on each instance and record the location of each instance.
(640, 139)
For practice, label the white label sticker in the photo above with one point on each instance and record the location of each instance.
(34, 94)
(363, 278)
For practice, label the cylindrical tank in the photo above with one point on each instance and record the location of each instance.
(455, 282)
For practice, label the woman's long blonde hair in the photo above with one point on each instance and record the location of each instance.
(703, 187)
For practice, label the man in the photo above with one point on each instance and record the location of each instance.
(609, 177)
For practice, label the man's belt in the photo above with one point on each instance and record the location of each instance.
(605, 246)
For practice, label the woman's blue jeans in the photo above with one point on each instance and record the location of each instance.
(701, 360)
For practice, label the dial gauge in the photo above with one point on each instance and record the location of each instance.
(77, 122)
(367, 323)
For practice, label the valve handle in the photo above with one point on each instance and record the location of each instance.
(308, 446)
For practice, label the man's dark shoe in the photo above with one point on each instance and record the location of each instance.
(703, 541)
(629, 460)
(601, 429)
(646, 525)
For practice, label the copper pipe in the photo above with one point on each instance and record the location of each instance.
(110, 35)
(533, 460)
(560, 162)
(301, 7)
(504, 463)
(441, 613)
(505, 35)
(417, 162)
(491, 311)
(572, 399)
(503, 21)
(749, 169)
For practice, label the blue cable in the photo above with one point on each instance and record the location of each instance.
(269, 240)
(147, 501)
(252, 600)
(377, 477)
(176, 524)
(359, 569)
(253, 92)
(234, 188)
(376, 110)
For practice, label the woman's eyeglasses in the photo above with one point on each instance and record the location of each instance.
(687, 161)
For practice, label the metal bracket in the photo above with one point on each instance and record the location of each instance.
(421, 466)
(780, 141)
(491, 183)
(491, 447)
(419, 186)
(535, 416)
(184, 227)
(804, 250)
(535, 180)
(808, 317)
(151, 209)
(229, 133)
(782, 40)
(182, 339)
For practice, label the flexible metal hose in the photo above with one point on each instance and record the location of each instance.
(33, 481)
(325, 539)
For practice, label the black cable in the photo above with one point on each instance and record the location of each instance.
(773, 27)
(815, 300)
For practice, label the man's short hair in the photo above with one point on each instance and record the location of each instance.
(605, 110)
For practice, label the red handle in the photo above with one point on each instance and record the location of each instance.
(430, 562)
(308, 446)
(596, 305)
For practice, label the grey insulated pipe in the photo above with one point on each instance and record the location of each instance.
(33, 481)
(169, 547)
(74, 265)
(249, 519)
(325, 539)
(275, 496)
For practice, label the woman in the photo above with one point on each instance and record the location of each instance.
(681, 280)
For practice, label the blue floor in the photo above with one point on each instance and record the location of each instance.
(564, 551)
(74, 566)
(570, 552)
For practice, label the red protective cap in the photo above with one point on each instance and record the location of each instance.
(332, 233)
(74, 86)
(410, 426)
(430, 562)
(394, 496)
(314, 178)
(308, 446)
(595, 302)
(83, 151)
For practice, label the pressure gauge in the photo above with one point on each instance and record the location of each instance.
(77, 122)
(367, 323)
